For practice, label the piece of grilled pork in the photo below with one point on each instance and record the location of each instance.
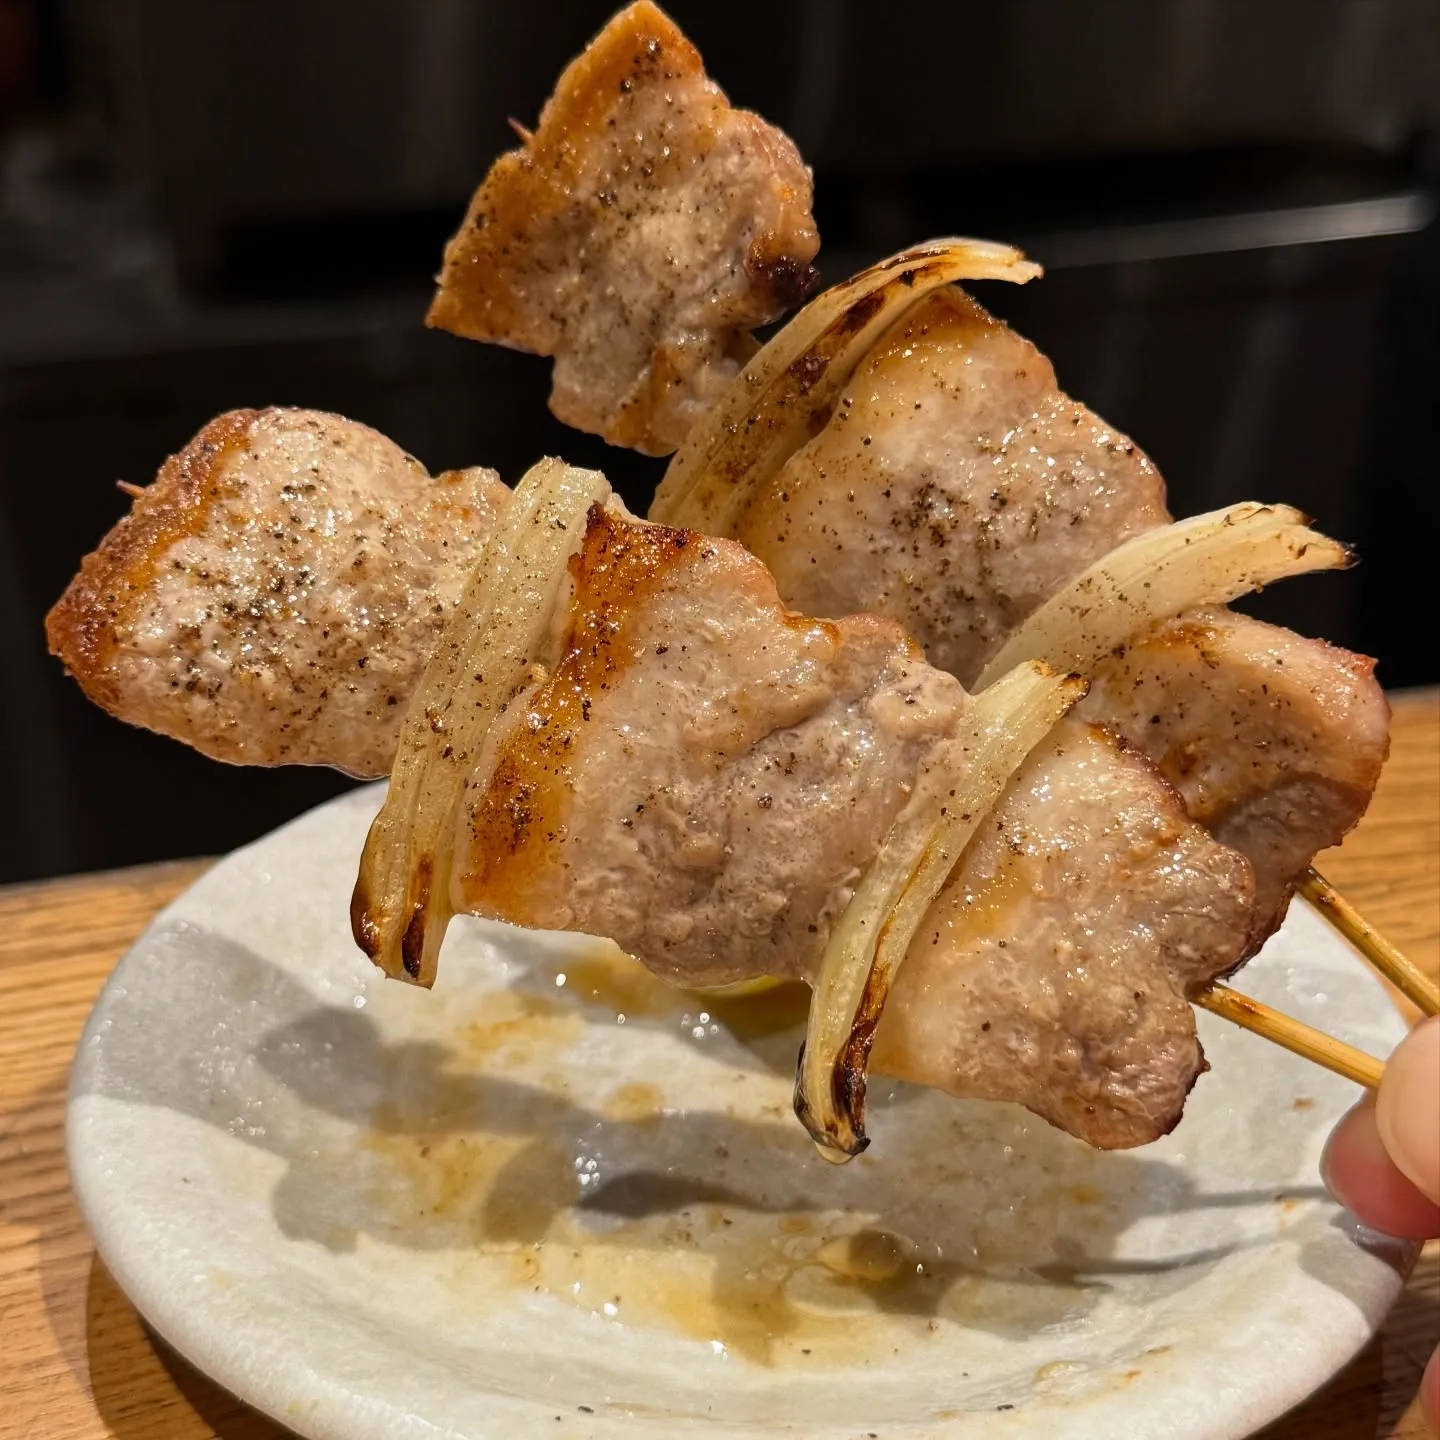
(1274, 741)
(955, 488)
(637, 236)
(273, 596)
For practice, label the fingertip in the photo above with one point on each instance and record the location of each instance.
(1360, 1174)
(1407, 1110)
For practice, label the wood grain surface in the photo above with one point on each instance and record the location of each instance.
(76, 1362)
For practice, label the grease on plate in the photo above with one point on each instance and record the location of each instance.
(575, 1198)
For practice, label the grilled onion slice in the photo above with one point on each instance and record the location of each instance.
(786, 392)
(499, 635)
(1206, 560)
(875, 929)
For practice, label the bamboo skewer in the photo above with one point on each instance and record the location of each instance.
(1417, 987)
(1294, 1035)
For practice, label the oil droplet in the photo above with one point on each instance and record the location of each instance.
(607, 977)
(634, 1102)
(867, 1255)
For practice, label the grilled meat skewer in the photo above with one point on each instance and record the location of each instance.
(702, 776)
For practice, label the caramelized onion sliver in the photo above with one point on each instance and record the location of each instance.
(1206, 560)
(870, 939)
(498, 636)
(789, 387)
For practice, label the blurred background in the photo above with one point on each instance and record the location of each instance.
(205, 206)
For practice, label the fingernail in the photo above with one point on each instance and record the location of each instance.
(1407, 1110)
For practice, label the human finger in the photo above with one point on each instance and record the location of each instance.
(1407, 1109)
(1360, 1174)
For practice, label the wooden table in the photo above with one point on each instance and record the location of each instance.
(75, 1359)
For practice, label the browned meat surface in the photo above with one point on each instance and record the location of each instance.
(637, 236)
(1029, 980)
(955, 488)
(704, 775)
(1275, 741)
(273, 596)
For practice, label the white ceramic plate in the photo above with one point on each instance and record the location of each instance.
(497, 1210)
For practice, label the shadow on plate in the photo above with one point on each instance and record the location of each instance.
(973, 1213)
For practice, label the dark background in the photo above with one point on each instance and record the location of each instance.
(220, 204)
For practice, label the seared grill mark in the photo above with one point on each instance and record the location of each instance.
(519, 822)
(412, 943)
(84, 626)
(785, 280)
